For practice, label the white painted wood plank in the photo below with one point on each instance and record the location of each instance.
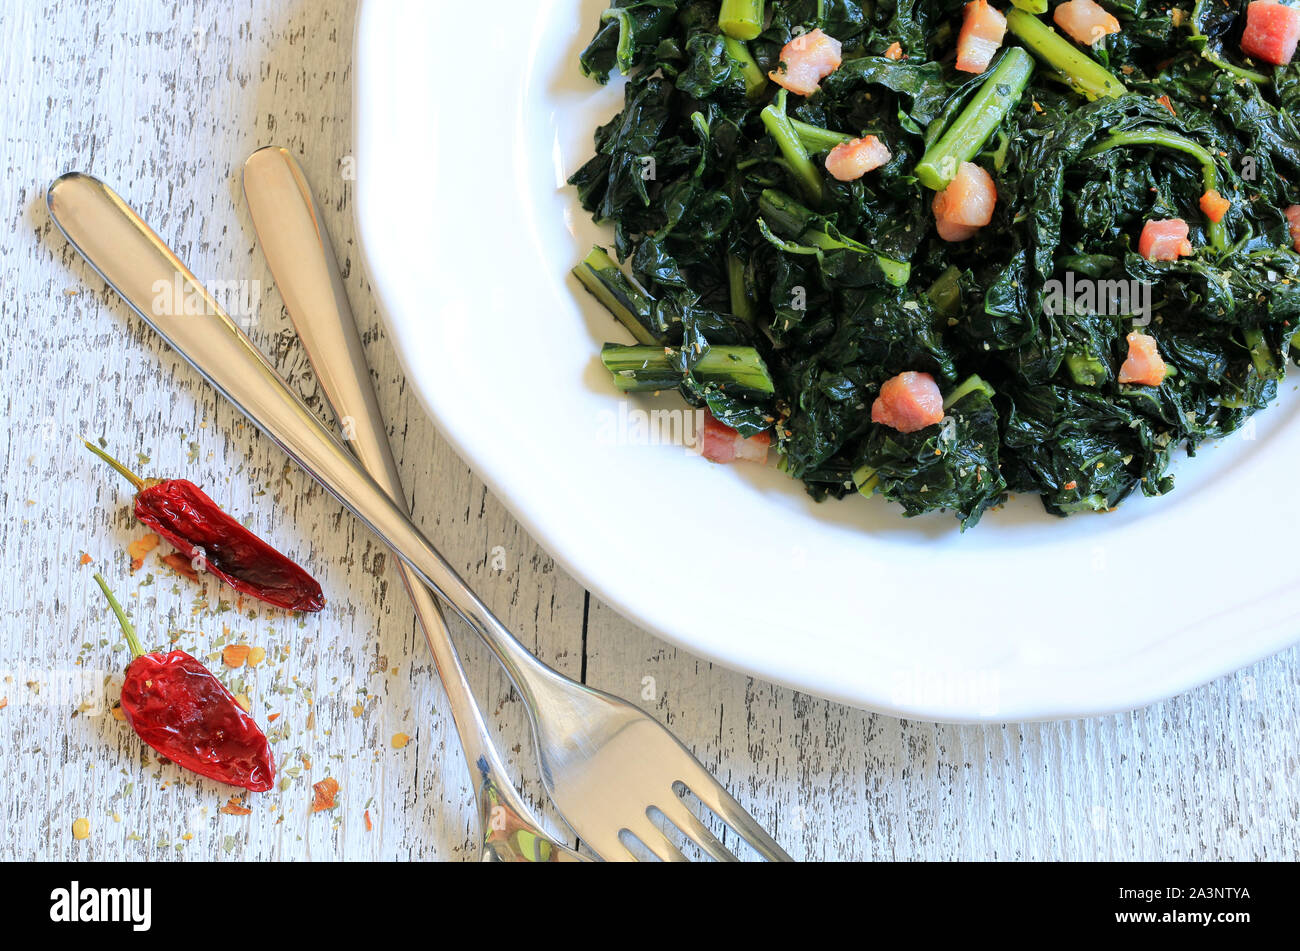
(1211, 774)
(167, 114)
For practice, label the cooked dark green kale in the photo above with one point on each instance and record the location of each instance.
(782, 298)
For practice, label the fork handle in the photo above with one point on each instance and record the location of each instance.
(137, 264)
(296, 245)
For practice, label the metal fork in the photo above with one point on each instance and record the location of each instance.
(297, 248)
(608, 766)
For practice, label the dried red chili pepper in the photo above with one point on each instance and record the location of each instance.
(181, 513)
(185, 713)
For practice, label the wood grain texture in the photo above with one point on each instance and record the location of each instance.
(164, 101)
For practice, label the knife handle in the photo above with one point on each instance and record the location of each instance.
(158, 286)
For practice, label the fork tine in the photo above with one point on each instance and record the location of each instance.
(681, 816)
(608, 848)
(711, 793)
(656, 842)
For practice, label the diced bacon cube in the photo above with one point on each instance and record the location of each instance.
(982, 31)
(1085, 21)
(1272, 31)
(908, 402)
(851, 160)
(1143, 363)
(1164, 239)
(805, 61)
(953, 233)
(966, 205)
(720, 443)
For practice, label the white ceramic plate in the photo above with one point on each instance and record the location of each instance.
(466, 130)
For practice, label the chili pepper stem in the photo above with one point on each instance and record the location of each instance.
(131, 639)
(122, 470)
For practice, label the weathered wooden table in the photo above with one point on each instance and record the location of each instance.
(164, 101)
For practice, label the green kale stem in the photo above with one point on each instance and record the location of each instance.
(1085, 368)
(945, 292)
(755, 81)
(1202, 42)
(806, 233)
(866, 479)
(817, 139)
(1169, 140)
(132, 640)
(1211, 56)
(998, 154)
(792, 149)
(741, 19)
(1260, 355)
(1084, 73)
(630, 306)
(640, 369)
(1030, 6)
(973, 383)
(963, 140)
(741, 305)
(626, 48)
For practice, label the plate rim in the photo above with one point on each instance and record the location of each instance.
(1282, 631)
